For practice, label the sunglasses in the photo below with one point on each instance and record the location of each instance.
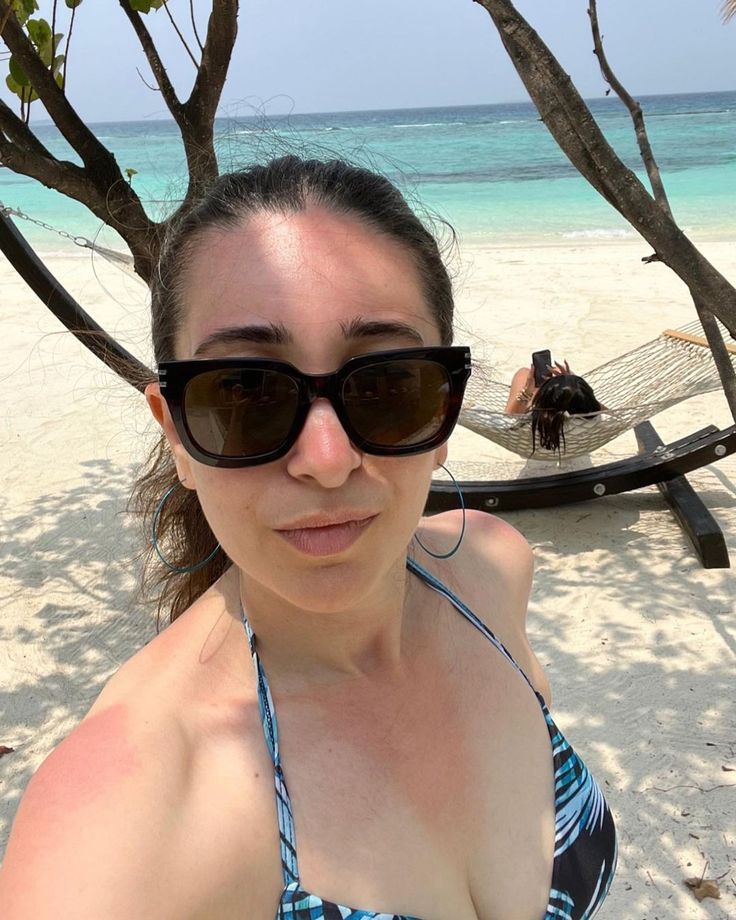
(237, 412)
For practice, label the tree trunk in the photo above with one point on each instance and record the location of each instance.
(572, 125)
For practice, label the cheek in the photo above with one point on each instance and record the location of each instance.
(229, 499)
(410, 479)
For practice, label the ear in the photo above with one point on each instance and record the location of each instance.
(160, 411)
(440, 456)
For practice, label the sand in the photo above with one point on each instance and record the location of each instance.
(638, 639)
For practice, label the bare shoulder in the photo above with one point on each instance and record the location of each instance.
(80, 845)
(109, 824)
(493, 573)
(490, 545)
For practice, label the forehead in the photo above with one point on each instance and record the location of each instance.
(313, 272)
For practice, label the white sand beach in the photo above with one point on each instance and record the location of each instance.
(639, 640)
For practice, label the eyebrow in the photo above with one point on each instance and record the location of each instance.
(268, 334)
(360, 328)
(278, 334)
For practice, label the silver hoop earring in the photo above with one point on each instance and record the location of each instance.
(180, 570)
(456, 547)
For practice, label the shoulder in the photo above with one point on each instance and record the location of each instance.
(82, 812)
(490, 547)
(492, 573)
(107, 824)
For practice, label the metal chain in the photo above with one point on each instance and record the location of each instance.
(77, 240)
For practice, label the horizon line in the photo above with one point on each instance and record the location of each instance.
(417, 108)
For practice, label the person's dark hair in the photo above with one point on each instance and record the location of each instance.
(565, 393)
(284, 186)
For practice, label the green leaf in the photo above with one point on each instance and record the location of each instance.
(145, 6)
(17, 73)
(72, 4)
(40, 32)
(44, 52)
(14, 87)
(24, 93)
(23, 9)
(130, 172)
(58, 62)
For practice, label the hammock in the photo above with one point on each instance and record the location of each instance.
(673, 367)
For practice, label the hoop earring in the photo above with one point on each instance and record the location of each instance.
(180, 570)
(456, 547)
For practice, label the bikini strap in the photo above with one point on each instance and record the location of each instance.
(287, 834)
(442, 589)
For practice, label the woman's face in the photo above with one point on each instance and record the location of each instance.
(314, 289)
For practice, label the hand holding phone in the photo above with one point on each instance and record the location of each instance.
(541, 361)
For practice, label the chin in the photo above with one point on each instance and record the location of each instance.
(334, 585)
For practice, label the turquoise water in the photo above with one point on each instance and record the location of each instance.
(493, 171)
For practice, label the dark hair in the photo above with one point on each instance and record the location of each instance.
(565, 393)
(284, 186)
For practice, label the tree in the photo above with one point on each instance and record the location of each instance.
(573, 126)
(37, 71)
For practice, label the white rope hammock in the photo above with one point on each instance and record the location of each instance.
(675, 366)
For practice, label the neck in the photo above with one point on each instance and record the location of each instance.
(303, 647)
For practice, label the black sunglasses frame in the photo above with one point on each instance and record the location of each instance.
(174, 376)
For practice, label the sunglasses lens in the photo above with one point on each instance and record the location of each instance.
(402, 403)
(240, 413)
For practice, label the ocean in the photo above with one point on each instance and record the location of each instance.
(492, 171)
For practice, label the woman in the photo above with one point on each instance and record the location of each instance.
(325, 712)
(561, 395)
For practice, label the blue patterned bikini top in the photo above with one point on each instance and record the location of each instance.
(585, 838)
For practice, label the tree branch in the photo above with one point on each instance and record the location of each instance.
(572, 125)
(710, 326)
(18, 132)
(181, 37)
(655, 179)
(61, 175)
(4, 20)
(201, 106)
(172, 101)
(194, 25)
(222, 30)
(66, 50)
(55, 102)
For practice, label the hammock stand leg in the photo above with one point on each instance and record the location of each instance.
(695, 519)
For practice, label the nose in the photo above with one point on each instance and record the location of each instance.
(323, 451)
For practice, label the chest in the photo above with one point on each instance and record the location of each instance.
(431, 796)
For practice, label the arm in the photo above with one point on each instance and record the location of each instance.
(94, 832)
(521, 391)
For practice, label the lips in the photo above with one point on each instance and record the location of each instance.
(326, 535)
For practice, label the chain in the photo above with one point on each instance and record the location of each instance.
(77, 240)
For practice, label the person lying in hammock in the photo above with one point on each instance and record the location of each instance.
(561, 394)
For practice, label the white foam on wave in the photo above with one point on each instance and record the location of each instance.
(431, 124)
(600, 233)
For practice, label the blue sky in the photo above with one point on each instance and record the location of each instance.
(334, 55)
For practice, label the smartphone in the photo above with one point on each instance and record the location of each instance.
(542, 361)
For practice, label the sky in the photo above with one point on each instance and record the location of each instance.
(347, 55)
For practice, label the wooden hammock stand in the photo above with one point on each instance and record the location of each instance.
(664, 465)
